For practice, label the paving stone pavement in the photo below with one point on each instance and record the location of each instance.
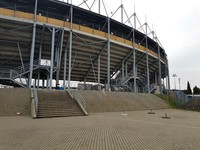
(137, 130)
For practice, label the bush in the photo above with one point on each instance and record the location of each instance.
(171, 99)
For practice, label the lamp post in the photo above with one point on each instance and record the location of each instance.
(179, 81)
(174, 75)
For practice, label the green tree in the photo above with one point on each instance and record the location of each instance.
(196, 90)
(188, 91)
(189, 88)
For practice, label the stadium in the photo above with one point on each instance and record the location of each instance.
(48, 46)
(71, 78)
(43, 42)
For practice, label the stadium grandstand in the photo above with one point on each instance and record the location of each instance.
(51, 43)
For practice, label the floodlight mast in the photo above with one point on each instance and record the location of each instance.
(122, 11)
(174, 75)
(99, 6)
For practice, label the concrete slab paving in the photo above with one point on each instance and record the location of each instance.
(137, 130)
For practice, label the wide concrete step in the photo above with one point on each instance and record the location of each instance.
(53, 96)
(58, 115)
(57, 105)
(56, 101)
(58, 109)
(59, 112)
(51, 113)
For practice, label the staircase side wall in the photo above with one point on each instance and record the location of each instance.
(15, 100)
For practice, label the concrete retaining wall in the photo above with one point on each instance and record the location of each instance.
(15, 100)
(99, 101)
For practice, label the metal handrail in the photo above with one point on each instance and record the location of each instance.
(126, 79)
(152, 87)
(80, 100)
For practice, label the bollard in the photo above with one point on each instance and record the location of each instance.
(151, 112)
(166, 117)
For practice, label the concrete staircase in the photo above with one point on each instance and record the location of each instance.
(57, 104)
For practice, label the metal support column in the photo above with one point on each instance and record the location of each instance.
(41, 41)
(65, 64)
(65, 67)
(126, 69)
(156, 78)
(40, 56)
(147, 61)
(99, 68)
(122, 9)
(43, 83)
(99, 6)
(47, 84)
(134, 57)
(108, 57)
(168, 75)
(70, 50)
(59, 59)
(20, 54)
(52, 58)
(35, 82)
(32, 47)
(38, 83)
(134, 70)
(159, 70)
(123, 70)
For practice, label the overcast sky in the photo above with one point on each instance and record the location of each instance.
(177, 25)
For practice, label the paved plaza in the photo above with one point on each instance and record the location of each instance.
(136, 130)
